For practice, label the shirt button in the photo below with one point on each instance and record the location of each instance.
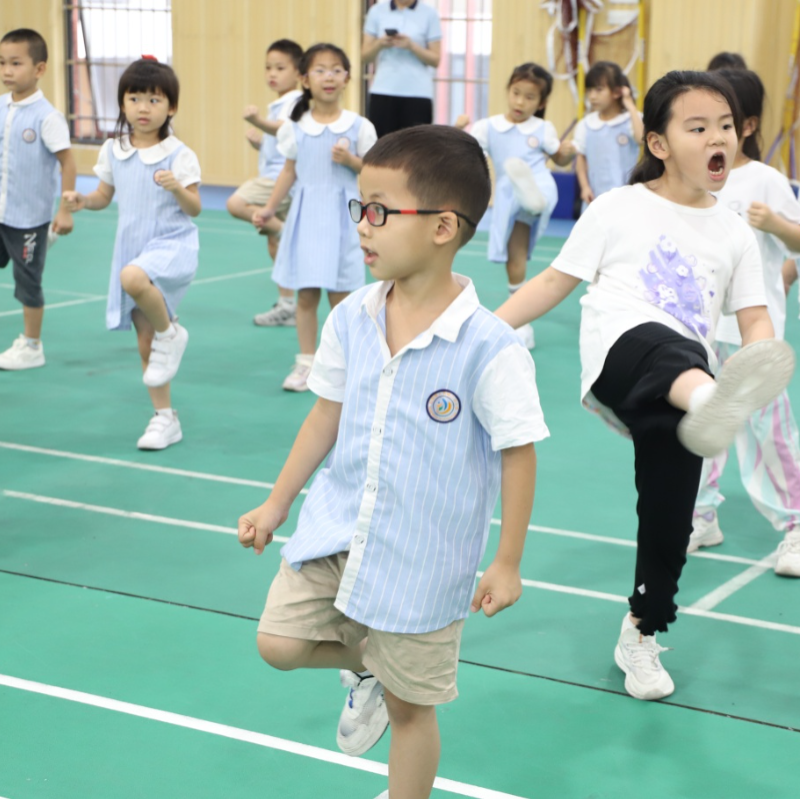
(359, 540)
(388, 371)
(371, 487)
(377, 430)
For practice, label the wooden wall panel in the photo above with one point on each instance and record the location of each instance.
(218, 53)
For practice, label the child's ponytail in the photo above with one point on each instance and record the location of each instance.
(304, 103)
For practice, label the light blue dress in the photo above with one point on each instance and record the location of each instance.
(610, 149)
(319, 246)
(533, 141)
(153, 232)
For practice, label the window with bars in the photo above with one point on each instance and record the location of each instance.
(461, 83)
(103, 37)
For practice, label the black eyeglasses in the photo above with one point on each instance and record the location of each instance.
(376, 213)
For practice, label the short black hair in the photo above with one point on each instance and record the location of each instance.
(444, 168)
(37, 46)
(147, 75)
(726, 60)
(288, 48)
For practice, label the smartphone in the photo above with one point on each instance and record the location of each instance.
(391, 31)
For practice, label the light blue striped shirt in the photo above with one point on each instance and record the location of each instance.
(411, 485)
(270, 160)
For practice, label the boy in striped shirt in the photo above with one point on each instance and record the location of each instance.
(427, 405)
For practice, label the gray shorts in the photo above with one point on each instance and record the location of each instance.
(27, 248)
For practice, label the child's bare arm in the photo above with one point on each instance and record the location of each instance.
(94, 201)
(761, 216)
(754, 324)
(313, 443)
(582, 171)
(565, 154)
(501, 585)
(283, 185)
(341, 155)
(636, 118)
(62, 224)
(537, 297)
(188, 197)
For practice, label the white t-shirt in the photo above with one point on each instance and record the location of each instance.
(651, 260)
(758, 183)
(185, 168)
(287, 139)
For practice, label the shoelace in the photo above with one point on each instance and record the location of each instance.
(791, 545)
(353, 681)
(645, 653)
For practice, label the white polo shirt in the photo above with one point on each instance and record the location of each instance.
(412, 483)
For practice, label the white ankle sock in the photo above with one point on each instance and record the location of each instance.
(628, 623)
(168, 333)
(304, 359)
(34, 343)
(165, 412)
(287, 302)
(513, 287)
(701, 395)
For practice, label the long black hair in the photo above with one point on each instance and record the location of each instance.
(750, 93)
(304, 103)
(658, 111)
(538, 76)
(147, 75)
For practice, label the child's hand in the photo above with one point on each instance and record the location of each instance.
(462, 121)
(761, 216)
(250, 113)
(567, 149)
(73, 201)
(499, 588)
(254, 137)
(340, 153)
(166, 180)
(63, 223)
(587, 195)
(256, 527)
(627, 97)
(402, 41)
(262, 217)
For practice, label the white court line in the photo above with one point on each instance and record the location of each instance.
(53, 291)
(549, 587)
(240, 734)
(262, 485)
(723, 592)
(216, 278)
(51, 306)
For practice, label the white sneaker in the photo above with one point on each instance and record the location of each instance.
(751, 378)
(705, 532)
(788, 562)
(637, 657)
(22, 355)
(297, 379)
(526, 190)
(165, 358)
(364, 718)
(162, 431)
(279, 314)
(526, 336)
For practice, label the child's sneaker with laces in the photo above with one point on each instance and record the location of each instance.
(165, 357)
(280, 314)
(705, 531)
(22, 355)
(788, 562)
(638, 657)
(364, 718)
(524, 185)
(162, 431)
(297, 379)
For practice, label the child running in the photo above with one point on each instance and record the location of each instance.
(413, 378)
(155, 179)
(283, 74)
(34, 139)
(767, 446)
(519, 143)
(664, 258)
(607, 139)
(323, 147)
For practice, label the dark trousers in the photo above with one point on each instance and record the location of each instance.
(389, 113)
(639, 370)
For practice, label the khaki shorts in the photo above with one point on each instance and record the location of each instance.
(257, 191)
(419, 668)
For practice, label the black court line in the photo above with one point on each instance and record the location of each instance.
(494, 667)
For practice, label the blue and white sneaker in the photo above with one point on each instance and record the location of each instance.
(364, 718)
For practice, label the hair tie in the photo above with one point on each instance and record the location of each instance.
(149, 58)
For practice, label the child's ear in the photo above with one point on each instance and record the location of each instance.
(749, 127)
(304, 82)
(657, 145)
(40, 69)
(446, 228)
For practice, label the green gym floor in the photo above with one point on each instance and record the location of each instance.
(128, 665)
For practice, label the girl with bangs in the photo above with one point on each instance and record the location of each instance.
(155, 179)
(664, 258)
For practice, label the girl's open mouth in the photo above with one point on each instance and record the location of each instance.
(716, 166)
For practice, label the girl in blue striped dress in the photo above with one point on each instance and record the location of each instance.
(319, 248)
(519, 143)
(155, 179)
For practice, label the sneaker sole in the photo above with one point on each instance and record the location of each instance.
(288, 324)
(21, 369)
(712, 541)
(172, 440)
(526, 190)
(632, 687)
(753, 377)
(787, 570)
(358, 749)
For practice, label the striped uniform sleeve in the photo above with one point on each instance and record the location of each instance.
(103, 166)
(329, 372)
(506, 400)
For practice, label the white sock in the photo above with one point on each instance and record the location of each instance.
(701, 395)
(168, 333)
(166, 412)
(34, 343)
(287, 302)
(513, 287)
(304, 359)
(628, 625)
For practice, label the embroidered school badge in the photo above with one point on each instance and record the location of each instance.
(443, 406)
(622, 140)
(533, 142)
(29, 135)
(343, 142)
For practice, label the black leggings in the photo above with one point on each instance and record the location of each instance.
(637, 375)
(389, 113)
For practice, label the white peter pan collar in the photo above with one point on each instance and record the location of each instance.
(289, 97)
(594, 122)
(446, 326)
(34, 98)
(310, 126)
(123, 149)
(501, 124)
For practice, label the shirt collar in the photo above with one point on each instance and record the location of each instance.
(313, 128)
(446, 326)
(594, 122)
(34, 98)
(501, 124)
(393, 5)
(286, 98)
(123, 149)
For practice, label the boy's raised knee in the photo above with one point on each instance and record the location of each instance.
(281, 652)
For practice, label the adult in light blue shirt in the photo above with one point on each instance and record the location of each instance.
(403, 39)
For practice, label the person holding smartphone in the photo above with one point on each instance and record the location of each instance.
(403, 39)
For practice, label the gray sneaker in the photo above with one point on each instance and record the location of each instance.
(278, 315)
